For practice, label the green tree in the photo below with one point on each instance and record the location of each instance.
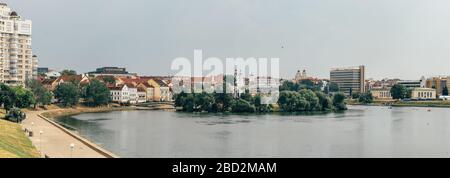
(109, 80)
(301, 104)
(23, 98)
(366, 98)
(325, 102)
(223, 102)
(445, 91)
(288, 100)
(96, 93)
(7, 97)
(41, 94)
(242, 106)
(189, 103)
(309, 84)
(339, 101)
(68, 72)
(204, 102)
(289, 86)
(399, 91)
(46, 98)
(67, 93)
(312, 103)
(291, 101)
(247, 96)
(356, 95)
(259, 106)
(179, 99)
(333, 87)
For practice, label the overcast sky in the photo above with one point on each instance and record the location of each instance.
(393, 38)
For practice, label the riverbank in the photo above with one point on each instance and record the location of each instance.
(437, 104)
(55, 140)
(61, 112)
(14, 143)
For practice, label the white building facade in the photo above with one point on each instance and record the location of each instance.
(423, 93)
(17, 62)
(120, 94)
(133, 93)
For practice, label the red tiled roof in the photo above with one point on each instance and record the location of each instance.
(47, 81)
(102, 77)
(160, 82)
(119, 87)
(140, 89)
(130, 85)
(146, 84)
(68, 78)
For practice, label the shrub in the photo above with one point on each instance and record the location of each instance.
(242, 106)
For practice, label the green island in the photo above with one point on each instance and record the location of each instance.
(293, 98)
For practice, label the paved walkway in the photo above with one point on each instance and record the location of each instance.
(54, 142)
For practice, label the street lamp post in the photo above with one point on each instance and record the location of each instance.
(32, 126)
(40, 141)
(72, 146)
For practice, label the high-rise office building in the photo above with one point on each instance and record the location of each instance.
(17, 62)
(349, 80)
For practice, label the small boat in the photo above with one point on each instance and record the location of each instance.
(429, 110)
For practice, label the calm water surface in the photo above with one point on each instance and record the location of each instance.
(360, 132)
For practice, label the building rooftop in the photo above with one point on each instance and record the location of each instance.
(110, 70)
(161, 83)
(346, 68)
(115, 87)
(14, 13)
(424, 89)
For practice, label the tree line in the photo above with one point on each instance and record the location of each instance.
(220, 102)
(95, 93)
(68, 94)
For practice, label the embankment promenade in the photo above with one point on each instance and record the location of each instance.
(55, 140)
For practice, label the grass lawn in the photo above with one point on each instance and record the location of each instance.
(14, 143)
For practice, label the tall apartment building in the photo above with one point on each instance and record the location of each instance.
(349, 80)
(17, 62)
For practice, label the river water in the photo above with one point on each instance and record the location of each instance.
(362, 131)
